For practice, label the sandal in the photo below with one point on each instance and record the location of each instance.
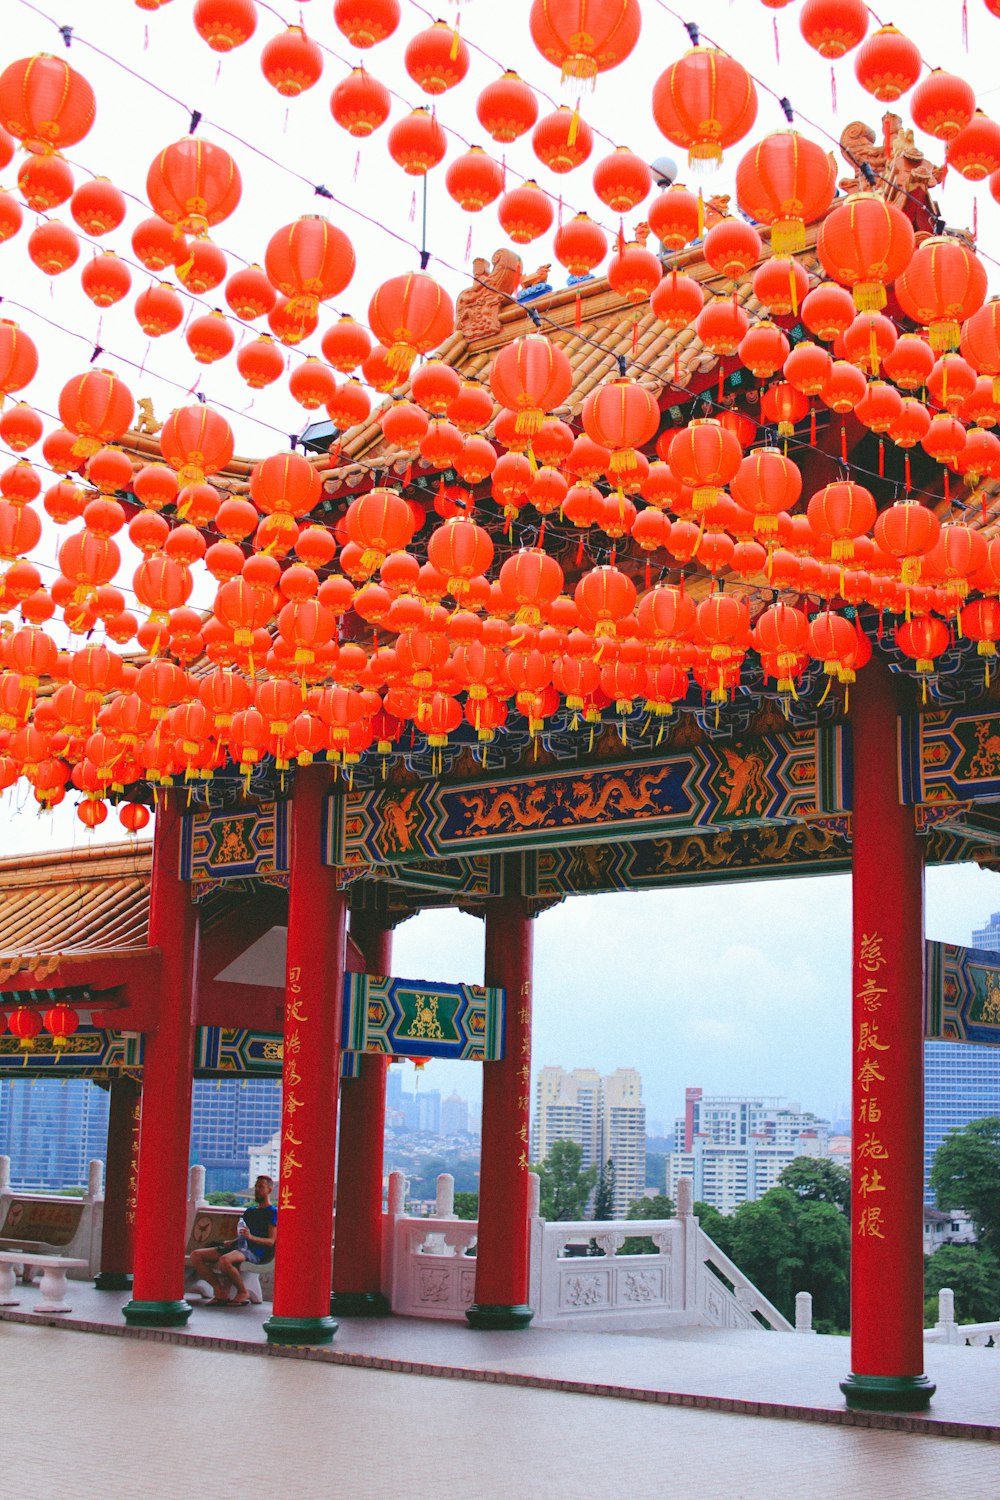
(219, 1302)
(239, 1302)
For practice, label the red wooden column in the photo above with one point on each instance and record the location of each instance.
(167, 1077)
(357, 1260)
(887, 1264)
(121, 1177)
(314, 987)
(501, 1299)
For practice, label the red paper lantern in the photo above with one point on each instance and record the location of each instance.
(525, 212)
(45, 181)
(944, 284)
(888, 65)
(437, 58)
(156, 245)
(309, 261)
(786, 181)
(621, 416)
(562, 140)
(225, 24)
(721, 325)
(763, 349)
(705, 102)
(53, 247)
(975, 151)
(833, 27)
(622, 180)
(507, 109)
(942, 105)
(366, 22)
(106, 279)
(531, 376)
(865, 244)
(634, 273)
(196, 442)
(585, 37)
(781, 284)
(159, 310)
(417, 143)
(193, 184)
(359, 103)
(345, 344)
(580, 245)
(410, 315)
(731, 247)
(677, 300)
(11, 215)
(676, 217)
(291, 62)
(45, 104)
(474, 179)
(98, 206)
(18, 358)
(25, 1024)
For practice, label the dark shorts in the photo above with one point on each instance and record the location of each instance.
(255, 1254)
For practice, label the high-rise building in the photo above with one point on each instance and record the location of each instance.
(228, 1116)
(454, 1115)
(51, 1128)
(734, 1149)
(604, 1116)
(961, 1079)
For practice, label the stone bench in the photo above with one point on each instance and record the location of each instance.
(52, 1285)
(212, 1226)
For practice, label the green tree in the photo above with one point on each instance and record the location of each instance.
(604, 1197)
(816, 1179)
(765, 1245)
(467, 1205)
(227, 1200)
(718, 1227)
(659, 1207)
(564, 1185)
(656, 1169)
(973, 1273)
(965, 1174)
(825, 1250)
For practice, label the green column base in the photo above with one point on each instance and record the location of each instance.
(113, 1281)
(887, 1392)
(156, 1314)
(499, 1315)
(360, 1305)
(300, 1330)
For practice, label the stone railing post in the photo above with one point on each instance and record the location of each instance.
(804, 1313)
(95, 1179)
(534, 1196)
(196, 1186)
(444, 1207)
(4, 1174)
(690, 1267)
(946, 1316)
(397, 1195)
(685, 1197)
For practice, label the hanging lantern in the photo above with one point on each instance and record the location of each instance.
(98, 206)
(437, 58)
(942, 105)
(731, 247)
(20, 427)
(309, 261)
(474, 179)
(765, 484)
(634, 272)
(621, 415)
(703, 103)
(562, 140)
(349, 407)
(676, 217)
(159, 310)
(525, 212)
(18, 358)
(888, 64)
(97, 407)
(622, 180)
(879, 407)
(45, 181)
(225, 24)
(786, 181)
(677, 300)
(365, 23)
(210, 337)
(833, 27)
(25, 1024)
(360, 104)
(781, 284)
(975, 151)
(45, 104)
(909, 362)
(763, 349)
(785, 406)
(842, 511)
(193, 184)
(721, 325)
(249, 293)
(410, 315)
(531, 376)
(943, 284)
(580, 245)
(704, 456)
(53, 247)
(923, 639)
(156, 245)
(865, 244)
(291, 62)
(604, 596)
(417, 143)
(585, 37)
(507, 109)
(345, 344)
(807, 368)
(907, 530)
(828, 311)
(196, 442)
(11, 215)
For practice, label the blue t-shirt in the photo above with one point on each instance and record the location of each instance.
(258, 1220)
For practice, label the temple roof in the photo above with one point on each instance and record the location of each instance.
(73, 902)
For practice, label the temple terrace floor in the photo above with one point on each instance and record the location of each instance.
(582, 1406)
(88, 1417)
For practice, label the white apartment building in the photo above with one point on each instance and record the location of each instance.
(265, 1160)
(604, 1115)
(734, 1149)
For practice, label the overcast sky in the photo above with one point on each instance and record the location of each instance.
(737, 988)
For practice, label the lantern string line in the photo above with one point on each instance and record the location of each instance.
(815, 124)
(705, 397)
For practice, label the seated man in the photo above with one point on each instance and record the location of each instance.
(254, 1243)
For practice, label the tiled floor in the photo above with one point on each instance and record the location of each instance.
(91, 1418)
(780, 1374)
